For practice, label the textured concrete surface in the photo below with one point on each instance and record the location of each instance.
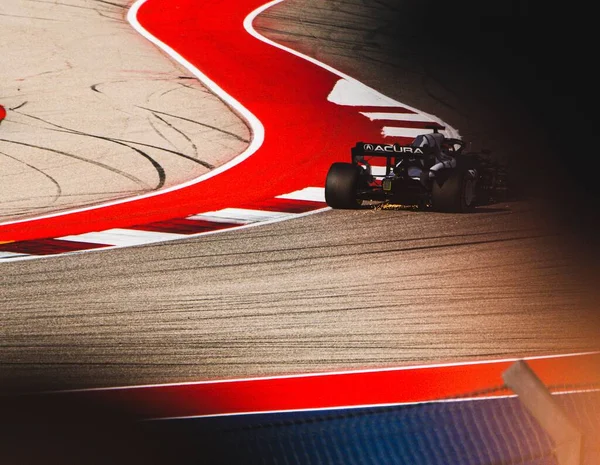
(96, 112)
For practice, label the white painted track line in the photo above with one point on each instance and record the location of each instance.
(398, 117)
(122, 237)
(9, 255)
(312, 194)
(241, 215)
(389, 131)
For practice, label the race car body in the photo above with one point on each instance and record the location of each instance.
(432, 172)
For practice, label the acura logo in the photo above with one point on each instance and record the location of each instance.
(391, 148)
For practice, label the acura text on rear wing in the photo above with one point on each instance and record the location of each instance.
(383, 149)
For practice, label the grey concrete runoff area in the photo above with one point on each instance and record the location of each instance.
(334, 291)
(96, 112)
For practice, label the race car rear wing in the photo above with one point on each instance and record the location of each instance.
(384, 150)
(392, 152)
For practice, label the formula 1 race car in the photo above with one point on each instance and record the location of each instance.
(432, 172)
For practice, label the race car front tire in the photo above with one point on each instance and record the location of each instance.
(456, 194)
(341, 186)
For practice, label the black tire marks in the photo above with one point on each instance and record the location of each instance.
(56, 184)
(125, 143)
(185, 136)
(21, 105)
(77, 157)
(208, 126)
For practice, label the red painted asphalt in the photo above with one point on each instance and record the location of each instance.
(304, 133)
(325, 391)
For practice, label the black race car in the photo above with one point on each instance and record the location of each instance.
(432, 172)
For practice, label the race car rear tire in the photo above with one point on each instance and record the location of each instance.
(456, 194)
(341, 186)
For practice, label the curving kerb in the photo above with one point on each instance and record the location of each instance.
(304, 116)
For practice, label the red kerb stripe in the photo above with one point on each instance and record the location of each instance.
(48, 247)
(183, 226)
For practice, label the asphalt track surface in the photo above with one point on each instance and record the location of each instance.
(333, 291)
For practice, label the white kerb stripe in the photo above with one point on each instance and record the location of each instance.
(241, 215)
(212, 218)
(313, 194)
(122, 237)
(11, 254)
(399, 117)
(389, 131)
(354, 93)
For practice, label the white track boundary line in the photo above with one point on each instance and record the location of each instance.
(342, 407)
(364, 406)
(340, 373)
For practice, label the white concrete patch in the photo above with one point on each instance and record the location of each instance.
(398, 117)
(123, 237)
(313, 194)
(242, 216)
(389, 131)
(355, 93)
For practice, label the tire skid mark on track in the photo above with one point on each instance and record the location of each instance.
(108, 79)
(42, 172)
(123, 142)
(76, 157)
(183, 134)
(221, 130)
(21, 105)
(157, 166)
